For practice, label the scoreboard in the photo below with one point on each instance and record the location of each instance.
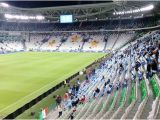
(66, 18)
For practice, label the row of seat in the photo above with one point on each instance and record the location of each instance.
(140, 100)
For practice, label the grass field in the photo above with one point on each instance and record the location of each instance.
(24, 76)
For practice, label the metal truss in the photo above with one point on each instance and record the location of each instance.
(80, 12)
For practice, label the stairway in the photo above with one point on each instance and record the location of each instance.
(97, 108)
(84, 109)
(132, 113)
(126, 104)
(105, 107)
(24, 45)
(148, 107)
(92, 105)
(82, 46)
(59, 46)
(90, 109)
(46, 39)
(115, 41)
(52, 115)
(158, 115)
(110, 102)
(116, 106)
(105, 46)
(111, 105)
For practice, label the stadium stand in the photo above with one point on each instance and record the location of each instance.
(126, 85)
(73, 43)
(10, 43)
(51, 44)
(132, 92)
(70, 42)
(86, 25)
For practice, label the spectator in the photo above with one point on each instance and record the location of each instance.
(138, 64)
(70, 90)
(77, 89)
(58, 99)
(109, 89)
(72, 114)
(74, 90)
(159, 59)
(66, 96)
(87, 79)
(82, 99)
(78, 81)
(103, 78)
(96, 92)
(140, 75)
(65, 83)
(154, 66)
(124, 84)
(75, 101)
(59, 107)
(149, 72)
(108, 81)
(118, 85)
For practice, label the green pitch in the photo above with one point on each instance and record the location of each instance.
(23, 76)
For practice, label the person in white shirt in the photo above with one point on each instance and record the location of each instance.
(59, 108)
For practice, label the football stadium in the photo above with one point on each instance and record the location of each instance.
(80, 60)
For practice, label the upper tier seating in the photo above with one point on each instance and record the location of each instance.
(76, 26)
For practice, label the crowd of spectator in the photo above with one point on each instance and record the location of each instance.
(142, 55)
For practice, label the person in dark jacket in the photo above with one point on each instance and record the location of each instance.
(97, 90)
(77, 88)
(75, 102)
(58, 99)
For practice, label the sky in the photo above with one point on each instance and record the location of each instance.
(35, 4)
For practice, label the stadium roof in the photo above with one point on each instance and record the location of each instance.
(86, 11)
(38, 4)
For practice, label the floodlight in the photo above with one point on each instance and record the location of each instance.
(31, 17)
(147, 8)
(8, 16)
(39, 17)
(23, 17)
(4, 4)
(130, 12)
(17, 16)
(136, 10)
